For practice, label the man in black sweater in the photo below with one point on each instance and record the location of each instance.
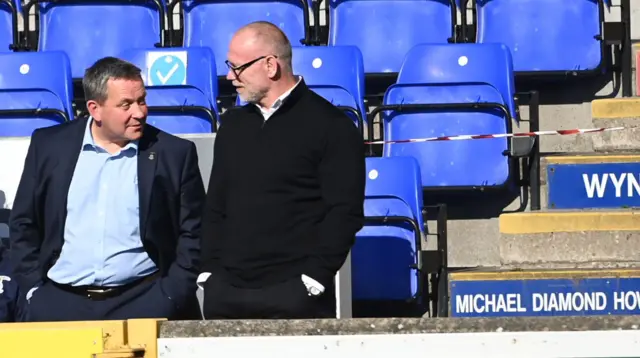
(286, 193)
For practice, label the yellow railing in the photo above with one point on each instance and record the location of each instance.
(89, 339)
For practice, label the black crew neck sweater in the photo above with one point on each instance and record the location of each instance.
(286, 195)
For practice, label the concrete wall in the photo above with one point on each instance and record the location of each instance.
(476, 345)
(448, 337)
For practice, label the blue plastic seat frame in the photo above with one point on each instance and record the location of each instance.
(156, 7)
(220, 50)
(440, 76)
(393, 216)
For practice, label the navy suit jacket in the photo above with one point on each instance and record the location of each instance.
(171, 199)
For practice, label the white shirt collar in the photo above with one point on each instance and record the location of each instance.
(268, 112)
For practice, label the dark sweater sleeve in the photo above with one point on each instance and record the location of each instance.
(342, 181)
(214, 212)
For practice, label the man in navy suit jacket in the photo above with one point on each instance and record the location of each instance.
(106, 219)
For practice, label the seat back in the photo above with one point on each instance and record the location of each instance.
(451, 74)
(384, 252)
(6, 23)
(90, 30)
(336, 73)
(544, 35)
(182, 78)
(385, 30)
(34, 81)
(212, 23)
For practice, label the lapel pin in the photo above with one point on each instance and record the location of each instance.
(152, 156)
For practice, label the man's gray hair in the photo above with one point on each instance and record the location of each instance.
(96, 77)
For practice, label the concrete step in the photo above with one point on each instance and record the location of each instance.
(502, 293)
(591, 181)
(616, 112)
(564, 238)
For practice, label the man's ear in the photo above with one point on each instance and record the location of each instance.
(94, 109)
(273, 69)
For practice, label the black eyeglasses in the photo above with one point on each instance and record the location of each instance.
(237, 70)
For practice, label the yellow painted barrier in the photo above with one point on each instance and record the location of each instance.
(51, 343)
(87, 339)
(609, 108)
(576, 274)
(144, 333)
(592, 159)
(537, 222)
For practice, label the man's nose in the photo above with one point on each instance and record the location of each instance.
(231, 75)
(139, 111)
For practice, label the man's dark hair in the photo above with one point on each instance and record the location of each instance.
(96, 77)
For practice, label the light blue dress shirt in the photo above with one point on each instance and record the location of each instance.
(102, 244)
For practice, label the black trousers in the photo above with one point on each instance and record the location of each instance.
(145, 300)
(284, 300)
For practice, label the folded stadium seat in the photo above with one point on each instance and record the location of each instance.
(212, 23)
(36, 91)
(90, 29)
(335, 73)
(385, 30)
(545, 35)
(385, 257)
(9, 10)
(446, 90)
(181, 87)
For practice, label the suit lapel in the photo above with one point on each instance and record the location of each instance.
(68, 158)
(147, 162)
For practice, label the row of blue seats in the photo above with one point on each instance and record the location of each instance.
(459, 89)
(36, 88)
(543, 35)
(536, 31)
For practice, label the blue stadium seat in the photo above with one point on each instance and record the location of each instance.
(90, 30)
(385, 30)
(212, 23)
(453, 89)
(9, 10)
(386, 252)
(181, 87)
(35, 91)
(544, 35)
(336, 73)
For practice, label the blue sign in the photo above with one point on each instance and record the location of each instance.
(545, 297)
(582, 186)
(168, 70)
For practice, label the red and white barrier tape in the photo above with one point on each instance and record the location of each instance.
(504, 135)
